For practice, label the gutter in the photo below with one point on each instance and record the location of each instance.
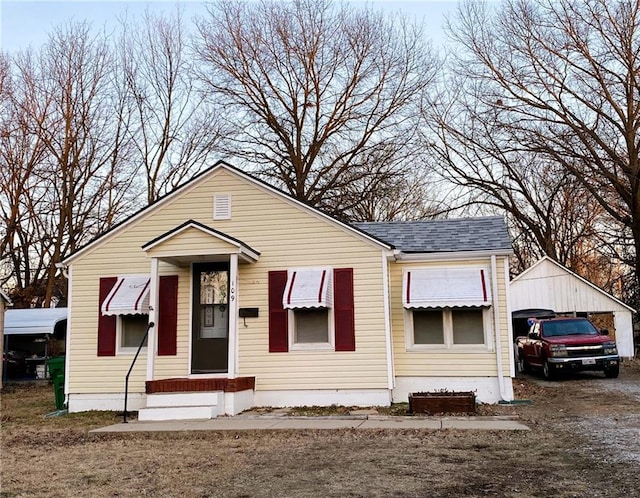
(449, 256)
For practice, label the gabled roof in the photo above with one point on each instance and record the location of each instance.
(201, 177)
(243, 249)
(203, 228)
(432, 236)
(522, 276)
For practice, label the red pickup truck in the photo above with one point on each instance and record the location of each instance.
(567, 344)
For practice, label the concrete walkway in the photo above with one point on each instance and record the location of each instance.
(244, 423)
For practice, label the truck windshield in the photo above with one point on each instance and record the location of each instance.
(568, 327)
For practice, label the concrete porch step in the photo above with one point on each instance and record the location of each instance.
(159, 413)
(183, 406)
(185, 399)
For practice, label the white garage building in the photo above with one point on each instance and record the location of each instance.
(549, 285)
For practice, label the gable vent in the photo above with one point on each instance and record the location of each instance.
(222, 207)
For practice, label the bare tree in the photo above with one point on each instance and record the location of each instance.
(395, 192)
(549, 212)
(558, 80)
(62, 157)
(174, 130)
(318, 93)
(21, 152)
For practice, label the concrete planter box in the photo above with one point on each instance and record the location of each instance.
(442, 402)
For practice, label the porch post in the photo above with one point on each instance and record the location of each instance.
(153, 316)
(233, 316)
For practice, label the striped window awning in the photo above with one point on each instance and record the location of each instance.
(446, 287)
(129, 296)
(308, 288)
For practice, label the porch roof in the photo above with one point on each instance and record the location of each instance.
(195, 242)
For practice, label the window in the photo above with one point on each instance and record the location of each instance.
(467, 326)
(123, 306)
(131, 330)
(447, 308)
(447, 328)
(308, 297)
(306, 311)
(428, 327)
(311, 329)
(311, 326)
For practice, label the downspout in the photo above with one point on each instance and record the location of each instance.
(387, 325)
(498, 334)
(67, 271)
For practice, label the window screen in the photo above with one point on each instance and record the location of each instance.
(428, 327)
(311, 325)
(467, 326)
(133, 330)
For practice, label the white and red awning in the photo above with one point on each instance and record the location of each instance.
(446, 287)
(129, 296)
(308, 288)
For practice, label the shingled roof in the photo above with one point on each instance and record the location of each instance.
(454, 235)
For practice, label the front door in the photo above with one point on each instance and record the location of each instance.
(210, 333)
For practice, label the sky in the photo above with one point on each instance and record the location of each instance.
(25, 23)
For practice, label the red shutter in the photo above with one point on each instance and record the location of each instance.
(278, 316)
(106, 323)
(343, 309)
(168, 315)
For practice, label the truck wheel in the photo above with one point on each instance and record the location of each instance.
(612, 372)
(547, 370)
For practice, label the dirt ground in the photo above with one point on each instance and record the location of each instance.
(584, 442)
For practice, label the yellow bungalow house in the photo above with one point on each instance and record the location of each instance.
(252, 298)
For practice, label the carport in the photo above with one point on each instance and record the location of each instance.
(38, 333)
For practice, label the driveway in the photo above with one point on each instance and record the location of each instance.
(604, 414)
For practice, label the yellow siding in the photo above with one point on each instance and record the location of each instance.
(446, 363)
(286, 236)
(191, 241)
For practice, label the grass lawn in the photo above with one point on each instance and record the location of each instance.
(559, 457)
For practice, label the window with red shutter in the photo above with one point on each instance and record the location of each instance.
(106, 324)
(314, 333)
(278, 316)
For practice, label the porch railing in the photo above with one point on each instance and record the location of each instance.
(126, 379)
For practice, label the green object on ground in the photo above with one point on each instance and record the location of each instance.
(56, 372)
(56, 366)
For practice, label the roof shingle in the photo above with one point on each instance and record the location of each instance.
(448, 235)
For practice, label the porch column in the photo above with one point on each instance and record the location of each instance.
(153, 316)
(233, 316)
